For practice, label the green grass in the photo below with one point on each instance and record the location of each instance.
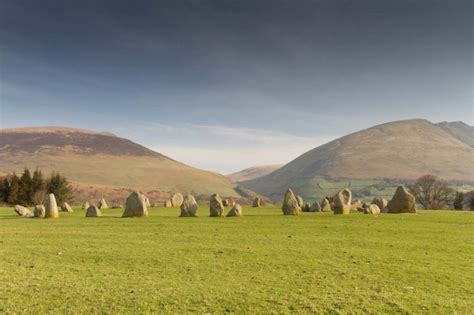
(261, 262)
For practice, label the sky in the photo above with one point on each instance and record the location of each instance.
(224, 85)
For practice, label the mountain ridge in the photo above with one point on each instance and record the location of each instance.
(102, 159)
(253, 172)
(403, 149)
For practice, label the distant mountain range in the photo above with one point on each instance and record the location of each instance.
(401, 150)
(253, 172)
(102, 159)
(365, 161)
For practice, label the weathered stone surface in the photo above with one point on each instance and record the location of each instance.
(372, 209)
(300, 201)
(290, 204)
(23, 211)
(402, 202)
(135, 206)
(177, 200)
(168, 204)
(189, 207)
(93, 211)
(39, 211)
(225, 202)
(147, 202)
(357, 205)
(342, 202)
(256, 202)
(85, 205)
(381, 203)
(103, 204)
(216, 208)
(306, 207)
(326, 205)
(236, 211)
(65, 207)
(315, 207)
(51, 207)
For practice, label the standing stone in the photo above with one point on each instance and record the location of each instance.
(51, 207)
(147, 202)
(216, 208)
(357, 205)
(189, 207)
(381, 203)
(326, 205)
(402, 202)
(290, 204)
(85, 205)
(39, 211)
(342, 202)
(93, 211)
(103, 204)
(236, 211)
(23, 211)
(315, 207)
(225, 202)
(177, 200)
(300, 201)
(256, 202)
(168, 204)
(135, 206)
(306, 207)
(65, 207)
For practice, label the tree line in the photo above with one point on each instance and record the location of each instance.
(31, 189)
(434, 193)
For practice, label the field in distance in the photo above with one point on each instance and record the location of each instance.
(262, 262)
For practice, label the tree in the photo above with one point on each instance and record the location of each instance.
(37, 182)
(3, 189)
(25, 195)
(468, 203)
(431, 192)
(458, 200)
(59, 186)
(13, 189)
(38, 187)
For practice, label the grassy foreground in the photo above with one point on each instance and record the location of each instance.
(262, 262)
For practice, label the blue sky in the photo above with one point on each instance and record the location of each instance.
(224, 85)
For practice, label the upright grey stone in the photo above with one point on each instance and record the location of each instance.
(290, 204)
(189, 207)
(135, 206)
(93, 211)
(216, 208)
(51, 207)
(236, 211)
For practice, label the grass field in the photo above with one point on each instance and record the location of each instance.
(261, 262)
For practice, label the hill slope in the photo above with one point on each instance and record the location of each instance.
(253, 172)
(459, 130)
(103, 159)
(402, 150)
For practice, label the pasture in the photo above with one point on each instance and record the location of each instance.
(262, 262)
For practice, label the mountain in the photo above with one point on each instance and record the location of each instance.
(103, 160)
(459, 130)
(396, 151)
(253, 172)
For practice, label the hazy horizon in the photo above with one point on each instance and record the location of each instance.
(224, 85)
